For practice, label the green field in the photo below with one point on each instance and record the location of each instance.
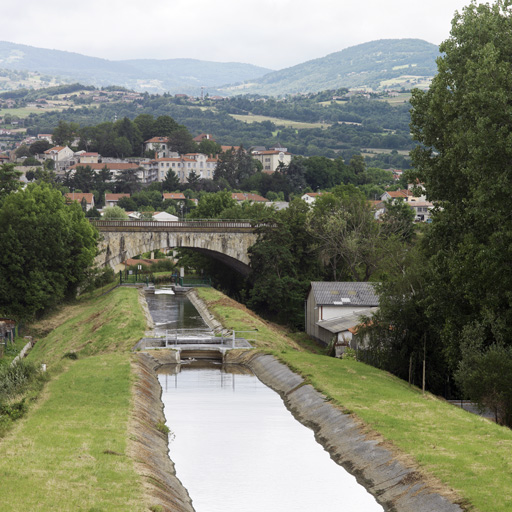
(279, 122)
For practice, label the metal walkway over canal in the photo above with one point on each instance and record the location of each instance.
(194, 343)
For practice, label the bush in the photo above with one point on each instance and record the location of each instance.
(15, 378)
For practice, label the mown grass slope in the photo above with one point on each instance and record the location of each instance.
(71, 450)
(467, 453)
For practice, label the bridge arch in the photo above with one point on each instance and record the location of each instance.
(227, 241)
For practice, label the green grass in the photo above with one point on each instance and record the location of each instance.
(110, 323)
(232, 315)
(69, 453)
(467, 453)
(298, 125)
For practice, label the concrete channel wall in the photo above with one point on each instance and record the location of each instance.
(393, 479)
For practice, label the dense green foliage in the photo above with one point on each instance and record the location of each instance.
(47, 249)
(452, 298)
(346, 126)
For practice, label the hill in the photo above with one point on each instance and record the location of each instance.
(152, 75)
(375, 65)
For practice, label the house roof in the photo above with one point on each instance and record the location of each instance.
(345, 294)
(174, 195)
(239, 196)
(78, 196)
(56, 149)
(115, 197)
(157, 140)
(271, 152)
(346, 322)
(399, 193)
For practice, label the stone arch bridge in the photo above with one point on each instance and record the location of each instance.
(227, 241)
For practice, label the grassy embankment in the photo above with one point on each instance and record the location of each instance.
(470, 454)
(70, 452)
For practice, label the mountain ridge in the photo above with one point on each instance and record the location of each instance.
(375, 65)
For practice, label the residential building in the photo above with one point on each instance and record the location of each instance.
(333, 310)
(202, 165)
(310, 197)
(112, 199)
(160, 145)
(79, 196)
(61, 155)
(115, 168)
(240, 197)
(273, 158)
(87, 158)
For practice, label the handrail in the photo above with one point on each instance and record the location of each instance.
(173, 224)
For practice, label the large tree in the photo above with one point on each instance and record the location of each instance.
(9, 180)
(47, 250)
(235, 166)
(464, 161)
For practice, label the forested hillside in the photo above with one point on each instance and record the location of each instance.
(374, 65)
(329, 127)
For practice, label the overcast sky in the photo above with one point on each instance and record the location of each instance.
(272, 33)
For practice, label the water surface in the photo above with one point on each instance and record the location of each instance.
(237, 448)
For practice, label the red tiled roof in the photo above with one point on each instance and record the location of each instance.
(271, 152)
(158, 140)
(115, 197)
(238, 196)
(56, 148)
(78, 196)
(174, 195)
(399, 193)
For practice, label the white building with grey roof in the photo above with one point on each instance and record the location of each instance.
(334, 310)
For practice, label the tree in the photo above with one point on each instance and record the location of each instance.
(464, 161)
(22, 151)
(182, 142)
(65, 133)
(209, 147)
(485, 375)
(211, 206)
(47, 249)
(39, 146)
(346, 235)
(235, 166)
(398, 219)
(114, 213)
(283, 263)
(128, 181)
(9, 180)
(171, 182)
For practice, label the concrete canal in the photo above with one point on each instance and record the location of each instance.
(235, 445)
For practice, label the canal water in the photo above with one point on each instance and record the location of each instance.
(236, 447)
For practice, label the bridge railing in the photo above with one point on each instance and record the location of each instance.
(188, 224)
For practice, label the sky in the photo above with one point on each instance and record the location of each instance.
(275, 34)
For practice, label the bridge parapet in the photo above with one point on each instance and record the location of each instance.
(228, 241)
(214, 226)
